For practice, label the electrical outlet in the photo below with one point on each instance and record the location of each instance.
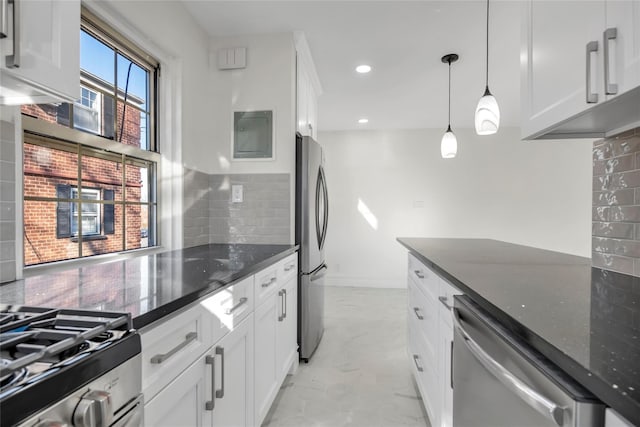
(237, 195)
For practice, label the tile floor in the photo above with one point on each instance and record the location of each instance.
(359, 375)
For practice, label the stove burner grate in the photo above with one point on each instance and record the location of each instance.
(12, 378)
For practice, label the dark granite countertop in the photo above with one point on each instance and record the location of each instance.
(586, 320)
(149, 286)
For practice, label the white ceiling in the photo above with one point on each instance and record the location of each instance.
(403, 41)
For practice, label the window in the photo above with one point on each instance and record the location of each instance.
(90, 212)
(90, 167)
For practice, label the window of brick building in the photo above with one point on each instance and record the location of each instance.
(90, 167)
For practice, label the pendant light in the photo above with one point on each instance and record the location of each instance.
(449, 144)
(487, 112)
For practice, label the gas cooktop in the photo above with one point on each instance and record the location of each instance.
(47, 354)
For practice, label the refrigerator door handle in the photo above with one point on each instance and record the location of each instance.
(325, 194)
(318, 188)
(530, 396)
(318, 273)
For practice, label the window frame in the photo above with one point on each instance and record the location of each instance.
(149, 157)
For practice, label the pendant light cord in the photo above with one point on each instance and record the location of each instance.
(487, 74)
(449, 120)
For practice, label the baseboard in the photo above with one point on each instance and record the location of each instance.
(366, 282)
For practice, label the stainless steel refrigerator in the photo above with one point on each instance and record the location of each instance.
(312, 214)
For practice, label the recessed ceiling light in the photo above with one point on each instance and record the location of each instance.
(362, 121)
(362, 69)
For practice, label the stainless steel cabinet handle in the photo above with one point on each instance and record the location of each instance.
(530, 396)
(592, 97)
(443, 300)
(210, 404)
(419, 274)
(159, 358)
(13, 61)
(281, 316)
(235, 307)
(4, 11)
(418, 366)
(416, 309)
(289, 267)
(220, 393)
(284, 312)
(269, 283)
(609, 34)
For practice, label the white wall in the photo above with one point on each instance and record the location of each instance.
(536, 194)
(267, 83)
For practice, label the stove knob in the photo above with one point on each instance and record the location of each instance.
(94, 410)
(50, 423)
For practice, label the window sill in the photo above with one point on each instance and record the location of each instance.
(88, 238)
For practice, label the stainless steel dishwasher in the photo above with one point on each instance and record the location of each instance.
(498, 380)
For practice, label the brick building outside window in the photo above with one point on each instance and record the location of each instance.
(85, 192)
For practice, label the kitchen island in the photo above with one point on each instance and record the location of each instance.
(585, 320)
(149, 287)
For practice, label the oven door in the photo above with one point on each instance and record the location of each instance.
(498, 380)
(132, 415)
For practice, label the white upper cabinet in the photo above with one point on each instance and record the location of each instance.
(307, 89)
(576, 57)
(40, 55)
(623, 22)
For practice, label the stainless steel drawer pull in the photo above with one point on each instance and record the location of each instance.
(220, 393)
(419, 274)
(284, 313)
(415, 360)
(235, 307)
(210, 404)
(609, 34)
(281, 294)
(159, 358)
(418, 315)
(531, 397)
(290, 267)
(269, 283)
(592, 97)
(443, 300)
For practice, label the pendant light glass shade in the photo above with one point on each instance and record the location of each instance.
(449, 144)
(487, 115)
(487, 118)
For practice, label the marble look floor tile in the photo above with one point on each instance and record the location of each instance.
(359, 375)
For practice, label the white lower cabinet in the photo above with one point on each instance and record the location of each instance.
(183, 402)
(220, 363)
(233, 403)
(276, 334)
(430, 338)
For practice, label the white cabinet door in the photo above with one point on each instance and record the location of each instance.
(183, 402)
(312, 112)
(624, 60)
(234, 377)
(302, 100)
(613, 419)
(266, 367)
(444, 378)
(287, 338)
(554, 73)
(47, 39)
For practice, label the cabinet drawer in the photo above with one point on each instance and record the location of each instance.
(288, 268)
(422, 275)
(266, 283)
(171, 346)
(423, 316)
(230, 306)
